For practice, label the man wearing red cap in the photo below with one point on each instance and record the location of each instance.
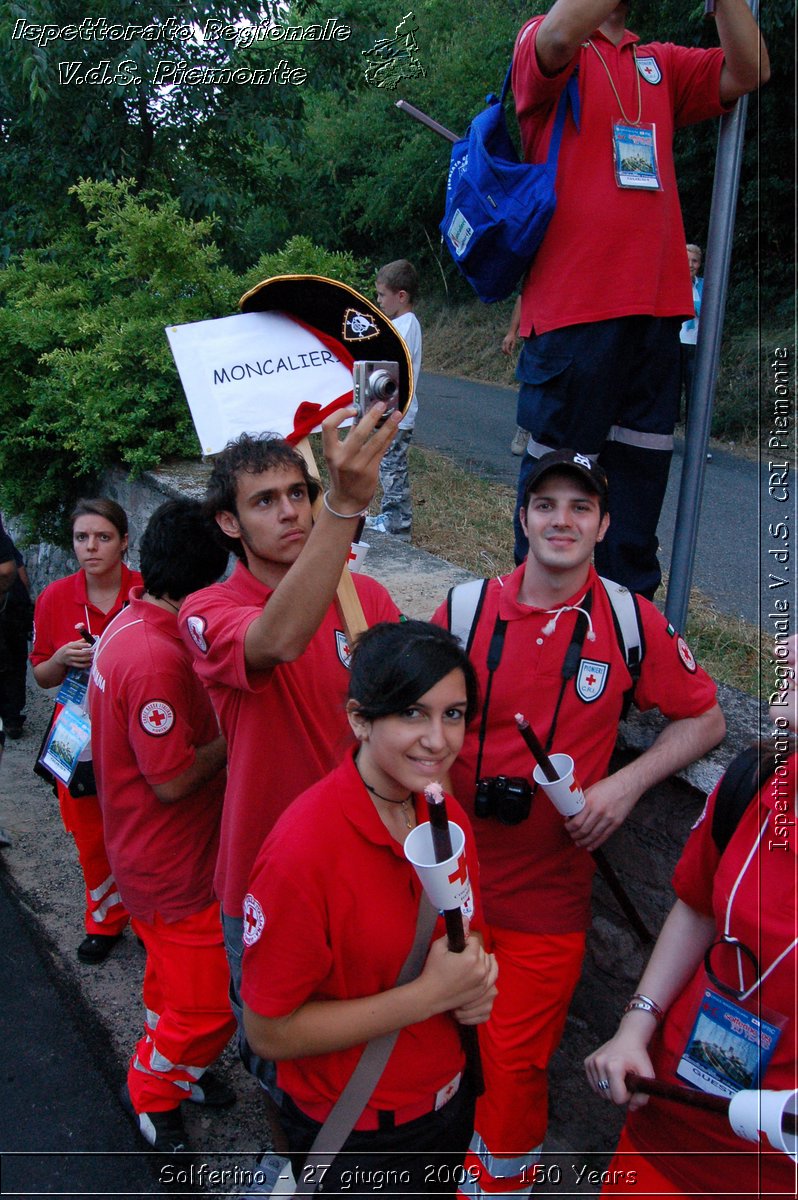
(544, 645)
(604, 299)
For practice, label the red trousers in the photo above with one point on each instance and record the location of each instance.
(82, 817)
(188, 1016)
(537, 977)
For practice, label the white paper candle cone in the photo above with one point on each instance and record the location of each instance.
(566, 795)
(753, 1112)
(447, 884)
(357, 556)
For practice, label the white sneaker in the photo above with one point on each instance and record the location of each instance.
(518, 444)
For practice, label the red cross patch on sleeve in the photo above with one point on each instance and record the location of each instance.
(685, 655)
(254, 920)
(157, 717)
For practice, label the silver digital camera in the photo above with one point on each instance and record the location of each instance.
(373, 381)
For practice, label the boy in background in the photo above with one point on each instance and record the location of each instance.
(397, 289)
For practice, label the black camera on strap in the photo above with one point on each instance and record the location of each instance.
(507, 798)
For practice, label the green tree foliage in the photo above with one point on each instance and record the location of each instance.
(85, 368)
(299, 256)
(90, 104)
(194, 183)
(365, 177)
(763, 248)
(86, 375)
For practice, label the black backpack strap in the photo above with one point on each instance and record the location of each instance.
(742, 781)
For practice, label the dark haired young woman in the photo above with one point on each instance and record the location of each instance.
(90, 598)
(331, 916)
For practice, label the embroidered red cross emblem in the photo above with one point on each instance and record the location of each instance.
(250, 918)
(461, 874)
(157, 718)
(590, 680)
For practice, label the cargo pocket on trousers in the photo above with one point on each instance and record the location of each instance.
(542, 397)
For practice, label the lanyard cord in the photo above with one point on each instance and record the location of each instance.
(569, 666)
(628, 120)
(727, 923)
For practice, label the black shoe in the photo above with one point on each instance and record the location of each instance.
(13, 727)
(96, 947)
(163, 1130)
(211, 1091)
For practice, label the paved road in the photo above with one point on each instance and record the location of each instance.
(55, 1088)
(473, 423)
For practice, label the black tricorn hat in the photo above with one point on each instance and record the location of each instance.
(349, 323)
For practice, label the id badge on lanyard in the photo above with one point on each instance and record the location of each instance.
(729, 1047)
(73, 690)
(634, 149)
(70, 737)
(67, 744)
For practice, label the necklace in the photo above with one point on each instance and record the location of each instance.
(628, 120)
(403, 804)
(161, 600)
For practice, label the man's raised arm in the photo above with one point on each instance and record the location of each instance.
(567, 24)
(746, 66)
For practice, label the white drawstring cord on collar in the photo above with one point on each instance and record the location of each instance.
(551, 625)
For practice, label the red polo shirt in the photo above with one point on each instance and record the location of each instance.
(764, 916)
(64, 603)
(345, 932)
(611, 251)
(149, 714)
(285, 727)
(535, 879)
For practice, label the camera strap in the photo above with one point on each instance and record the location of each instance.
(569, 668)
(494, 658)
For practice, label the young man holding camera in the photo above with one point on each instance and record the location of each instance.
(544, 644)
(269, 643)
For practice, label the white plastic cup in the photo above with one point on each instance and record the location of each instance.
(751, 1112)
(565, 793)
(447, 884)
(358, 556)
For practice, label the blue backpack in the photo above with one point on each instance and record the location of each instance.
(497, 207)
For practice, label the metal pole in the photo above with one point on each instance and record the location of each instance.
(710, 330)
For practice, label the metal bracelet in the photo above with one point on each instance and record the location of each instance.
(644, 1004)
(343, 516)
